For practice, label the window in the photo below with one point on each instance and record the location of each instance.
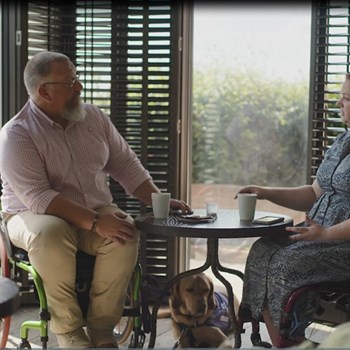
(250, 107)
(319, 124)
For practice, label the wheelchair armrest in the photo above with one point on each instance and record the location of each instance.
(5, 238)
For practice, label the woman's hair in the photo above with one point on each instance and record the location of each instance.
(39, 67)
(347, 76)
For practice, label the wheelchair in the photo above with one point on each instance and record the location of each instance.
(333, 308)
(16, 265)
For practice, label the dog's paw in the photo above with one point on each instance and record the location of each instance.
(226, 344)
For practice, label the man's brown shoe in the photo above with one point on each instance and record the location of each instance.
(102, 338)
(74, 340)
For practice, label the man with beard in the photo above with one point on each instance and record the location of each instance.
(55, 155)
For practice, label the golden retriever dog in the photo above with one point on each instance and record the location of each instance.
(200, 316)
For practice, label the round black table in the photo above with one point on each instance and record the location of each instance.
(227, 225)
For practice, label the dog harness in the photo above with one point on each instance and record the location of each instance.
(220, 317)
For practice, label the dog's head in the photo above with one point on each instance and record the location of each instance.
(193, 298)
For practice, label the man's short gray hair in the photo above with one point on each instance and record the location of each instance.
(39, 67)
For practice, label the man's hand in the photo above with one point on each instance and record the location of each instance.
(176, 204)
(312, 232)
(118, 227)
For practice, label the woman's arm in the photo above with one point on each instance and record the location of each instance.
(316, 232)
(297, 198)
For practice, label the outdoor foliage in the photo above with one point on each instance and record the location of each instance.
(248, 130)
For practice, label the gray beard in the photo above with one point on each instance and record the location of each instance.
(75, 114)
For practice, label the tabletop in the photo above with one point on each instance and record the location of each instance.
(226, 225)
(9, 297)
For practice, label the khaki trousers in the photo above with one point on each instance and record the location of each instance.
(51, 244)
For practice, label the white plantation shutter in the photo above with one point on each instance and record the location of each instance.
(128, 57)
(330, 63)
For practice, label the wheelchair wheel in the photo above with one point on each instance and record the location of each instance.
(5, 322)
(125, 326)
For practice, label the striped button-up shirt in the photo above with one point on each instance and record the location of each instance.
(39, 160)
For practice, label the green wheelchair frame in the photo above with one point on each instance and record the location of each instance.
(14, 262)
(44, 316)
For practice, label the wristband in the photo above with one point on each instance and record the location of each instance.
(95, 222)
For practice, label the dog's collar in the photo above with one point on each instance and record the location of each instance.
(185, 331)
(185, 327)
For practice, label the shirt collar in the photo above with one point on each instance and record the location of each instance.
(39, 113)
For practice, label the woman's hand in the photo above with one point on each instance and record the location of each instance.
(312, 232)
(176, 204)
(259, 191)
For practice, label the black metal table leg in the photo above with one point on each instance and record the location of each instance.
(153, 332)
(216, 267)
(212, 261)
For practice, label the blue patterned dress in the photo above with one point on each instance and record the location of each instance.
(275, 267)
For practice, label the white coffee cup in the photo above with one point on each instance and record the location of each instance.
(246, 206)
(160, 205)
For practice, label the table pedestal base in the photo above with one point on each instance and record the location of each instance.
(212, 262)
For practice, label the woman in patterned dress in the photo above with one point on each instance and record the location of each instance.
(316, 252)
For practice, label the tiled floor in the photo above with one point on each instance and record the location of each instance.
(164, 338)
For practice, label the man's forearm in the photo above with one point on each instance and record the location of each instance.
(72, 212)
(144, 191)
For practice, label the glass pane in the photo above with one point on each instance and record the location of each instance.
(250, 108)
